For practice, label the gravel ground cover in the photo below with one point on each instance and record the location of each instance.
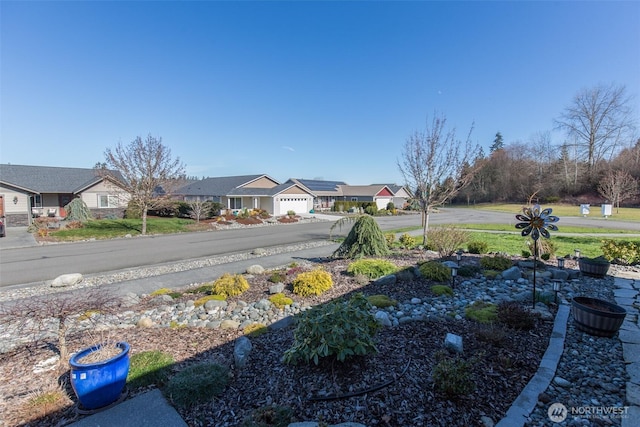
(404, 363)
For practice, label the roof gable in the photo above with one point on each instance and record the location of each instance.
(49, 179)
(221, 186)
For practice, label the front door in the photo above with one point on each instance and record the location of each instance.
(63, 200)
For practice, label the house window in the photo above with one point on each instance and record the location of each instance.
(36, 201)
(354, 199)
(235, 203)
(107, 201)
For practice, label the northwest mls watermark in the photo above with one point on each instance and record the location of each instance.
(558, 412)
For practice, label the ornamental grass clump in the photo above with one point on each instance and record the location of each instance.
(482, 312)
(454, 377)
(280, 300)
(149, 367)
(197, 384)
(340, 329)
(230, 285)
(381, 301)
(312, 283)
(497, 262)
(364, 240)
(373, 268)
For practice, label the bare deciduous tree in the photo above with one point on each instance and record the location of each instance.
(599, 119)
(198, 209)
(150, 174)
(618, 186)
(55, 313)
(436, 166)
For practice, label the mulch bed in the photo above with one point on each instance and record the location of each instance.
(501, 367)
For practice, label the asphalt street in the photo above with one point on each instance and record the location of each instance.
(23, 261)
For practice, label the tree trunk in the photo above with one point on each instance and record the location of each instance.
(425, 228)
(144, 221)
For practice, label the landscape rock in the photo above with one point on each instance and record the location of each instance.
(389, 279)
(277, 288)
(241, 351)
(255, 269)
(453, 342)
(382, 317)
(229, 324)
(145, 322)
(512, 273)
(259, 251)
(66, 280)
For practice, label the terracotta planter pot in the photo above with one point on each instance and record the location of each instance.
(595, 269)
(597, 317)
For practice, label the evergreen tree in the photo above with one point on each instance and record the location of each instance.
(498, 143)
(364, 240)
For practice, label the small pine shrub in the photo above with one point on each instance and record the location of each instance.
(203, 300)
(545, 256)
(317, 335)
(365, 239)
(407, 241)
(497, 262)
(230, 285)
(197, 384)
(481, 312)
(77, 210)
(447, 240)
(478, 247)
(149, 367)
(491, 333)
(436, 271)
(269, 416)
(371, 210)
(280, 300)
(255, 330)
(381, 301)
(454, 377)
(525, 253)
(440, 290)
(512, 314)
(373, 268)
(312, 283)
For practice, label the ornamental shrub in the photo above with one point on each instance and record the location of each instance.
(77, 210)
(436, 271)
(447, 240)
(312, 283)
(478, 247)
(390, 238)
(280, 300)
(255, 330)
(454, 377)
(511, 313)
(340, 329)
(407, 241)
(203, 300)
(623, 252)
(381, 301)
(371, 267)
(497, 262)
(277, 277)
(230, 285)
(440, 290)
(482, 312)
(365, 239)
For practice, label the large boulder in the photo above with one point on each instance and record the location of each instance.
(241, 351)
(66, 280)
(512, 273)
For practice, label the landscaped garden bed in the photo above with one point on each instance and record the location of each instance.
(392, 387)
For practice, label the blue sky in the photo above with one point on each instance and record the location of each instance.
(325, 90)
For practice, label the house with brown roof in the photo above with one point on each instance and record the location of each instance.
(236, 193)
(27, 192)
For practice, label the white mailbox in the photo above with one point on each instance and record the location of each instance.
(584, 210)
(606, 210)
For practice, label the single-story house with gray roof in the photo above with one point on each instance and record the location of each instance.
(236, 193)
(27, 192)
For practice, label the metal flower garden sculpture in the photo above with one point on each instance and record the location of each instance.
(536, 223)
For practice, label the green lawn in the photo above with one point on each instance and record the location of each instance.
(561, 228)
(111, 228)
(625, 214)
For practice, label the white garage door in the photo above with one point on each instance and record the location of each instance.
(382, 203)
(296, 204)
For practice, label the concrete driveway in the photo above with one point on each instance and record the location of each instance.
(17, 237)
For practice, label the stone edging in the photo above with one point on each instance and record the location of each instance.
(525, 403)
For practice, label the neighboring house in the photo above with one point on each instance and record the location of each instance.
(236, 193)
(379, 193)
(326, 192)
(27, 192)
(401, 196)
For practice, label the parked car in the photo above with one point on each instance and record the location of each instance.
(2, 230)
